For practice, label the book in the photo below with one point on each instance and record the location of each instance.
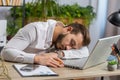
(27, 70)
(13, 2)
(7, 2)
(20, 2)
(16, 2)
(1, 3)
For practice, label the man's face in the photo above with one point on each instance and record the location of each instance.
(69, 41)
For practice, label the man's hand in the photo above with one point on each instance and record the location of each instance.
(49, 59)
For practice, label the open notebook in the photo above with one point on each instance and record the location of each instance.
(98, 55)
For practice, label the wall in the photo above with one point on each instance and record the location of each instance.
(113, 6)
(4, 11)
(81, 2)
(97, 29)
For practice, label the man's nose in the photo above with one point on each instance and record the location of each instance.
(68, 47)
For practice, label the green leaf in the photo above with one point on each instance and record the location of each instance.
(112, 62)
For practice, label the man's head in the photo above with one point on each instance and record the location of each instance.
(74, 36)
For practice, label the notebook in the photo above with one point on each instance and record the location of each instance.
(30, 70)
(98, 55)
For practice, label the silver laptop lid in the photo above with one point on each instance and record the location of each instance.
(101, 51)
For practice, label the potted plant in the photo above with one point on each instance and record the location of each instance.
(45, 9)
(112, 65)
(49, 9)
(12, 28)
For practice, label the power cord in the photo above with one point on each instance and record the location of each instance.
(3, 70)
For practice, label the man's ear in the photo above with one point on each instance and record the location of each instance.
(69, 28)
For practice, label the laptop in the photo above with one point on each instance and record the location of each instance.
(98, 55)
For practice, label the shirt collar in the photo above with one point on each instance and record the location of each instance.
(50, 30)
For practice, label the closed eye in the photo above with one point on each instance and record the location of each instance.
(72, 43)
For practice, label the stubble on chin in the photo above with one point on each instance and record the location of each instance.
(59, 40)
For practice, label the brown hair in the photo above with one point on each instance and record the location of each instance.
(79, 28)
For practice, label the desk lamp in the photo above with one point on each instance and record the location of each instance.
(114, 19)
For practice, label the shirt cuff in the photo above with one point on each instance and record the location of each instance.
(29, 58)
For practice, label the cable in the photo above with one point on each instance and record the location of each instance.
(3, 70)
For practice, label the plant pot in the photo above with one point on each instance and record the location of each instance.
(112, 67)
(118, 66)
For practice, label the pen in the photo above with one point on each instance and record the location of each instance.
(60, 62)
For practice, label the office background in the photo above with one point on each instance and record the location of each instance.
(4, 11)
(100, 27)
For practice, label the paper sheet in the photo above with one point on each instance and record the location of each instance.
(34, 70)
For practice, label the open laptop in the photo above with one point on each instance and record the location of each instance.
(98, 55)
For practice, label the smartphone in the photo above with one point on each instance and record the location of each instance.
(29, 67)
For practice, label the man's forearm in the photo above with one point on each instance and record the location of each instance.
(83, 52)
(48, 59)
(17, 56)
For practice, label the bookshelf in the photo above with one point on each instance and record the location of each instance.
(14, 4)
(11, 2)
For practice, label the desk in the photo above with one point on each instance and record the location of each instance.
(66, 73)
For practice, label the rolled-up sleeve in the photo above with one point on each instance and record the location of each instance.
(83, 52)
(14, 49)
(15, 55)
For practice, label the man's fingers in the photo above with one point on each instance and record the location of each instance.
(56, 63)
(50, 60)
(59, 60)
(52, 65)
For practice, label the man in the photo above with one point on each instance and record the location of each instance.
(35, 41)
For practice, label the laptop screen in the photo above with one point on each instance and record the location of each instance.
(99, 54)
(101, 51)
